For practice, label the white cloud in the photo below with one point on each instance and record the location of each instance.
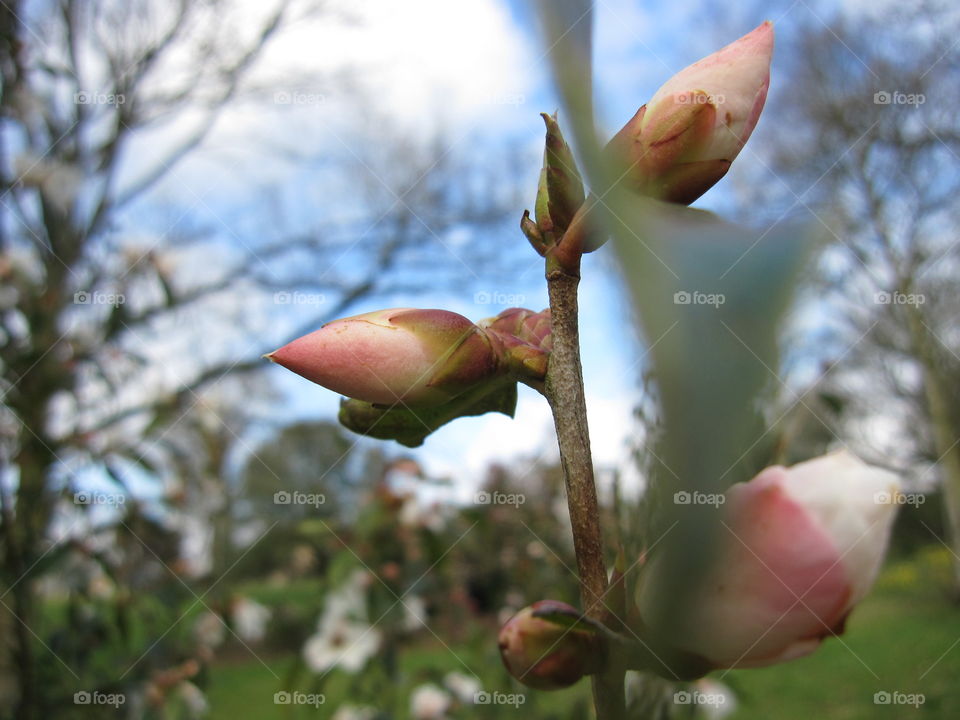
(465, 448)
(420, 60)
(462, 65)
(326, 83)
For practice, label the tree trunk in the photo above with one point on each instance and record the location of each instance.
(20, 544)
(25, 527)
(945, 435)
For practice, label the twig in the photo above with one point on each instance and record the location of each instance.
(564, 387)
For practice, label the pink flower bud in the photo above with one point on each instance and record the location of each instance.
(526, 339)
(418, 357)
(525, 326)
(800, 547)
(682, 142)
(542, 654)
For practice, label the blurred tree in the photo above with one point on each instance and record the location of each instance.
(313, 459)
(863, 129)
(107, 341)
(199, 450)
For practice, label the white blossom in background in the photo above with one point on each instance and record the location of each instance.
(350, 599)
(723, 700)
(414, 613)
(417, 512)
(429, 702)
(344, 638)
(344, 644)
(250, 619)
(209, 630)
(193, 699)
(354, 712)
(464, 687)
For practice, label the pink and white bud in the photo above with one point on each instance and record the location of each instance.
(417, 357)
(542, 654)
(800, 547)
(684, 139)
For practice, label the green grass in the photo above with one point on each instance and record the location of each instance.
(905, 637)
(243, 687)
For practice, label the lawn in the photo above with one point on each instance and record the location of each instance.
(903, 640)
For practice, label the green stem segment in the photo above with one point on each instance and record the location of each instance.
(564, 390)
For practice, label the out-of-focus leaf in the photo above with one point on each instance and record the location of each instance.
(710, 296)
(714, 348)
(410, 427)
(568, 35)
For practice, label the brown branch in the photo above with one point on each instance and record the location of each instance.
(232, 75)
(564, 390)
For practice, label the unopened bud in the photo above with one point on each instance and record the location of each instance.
(805, 544)
(545, 655)
(560, 193)
(526, 338)
(683, 141)
(415, 357)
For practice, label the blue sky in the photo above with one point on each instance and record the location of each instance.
(634, 54)
(491, 80)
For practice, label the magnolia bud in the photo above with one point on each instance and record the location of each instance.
(542, 654)
(804, 545)
(525, 339)
(560, 192)
(417, 357)
(683, 140)
(529, 327)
